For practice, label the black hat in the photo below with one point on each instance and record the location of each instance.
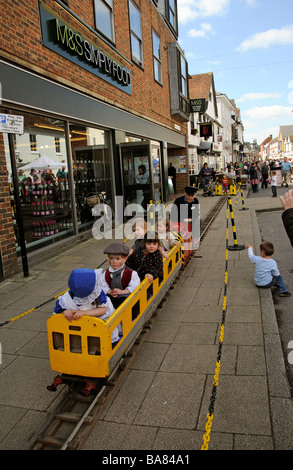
(190, 190)
(117, 249)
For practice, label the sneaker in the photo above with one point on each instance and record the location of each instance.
(285, 294)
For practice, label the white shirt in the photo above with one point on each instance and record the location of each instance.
(133, 283)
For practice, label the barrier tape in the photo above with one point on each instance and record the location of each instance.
(210, 415)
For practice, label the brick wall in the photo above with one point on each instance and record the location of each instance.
(21, 42)
(7, 241)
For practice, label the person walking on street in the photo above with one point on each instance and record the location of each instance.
(264, 175)
(253, 177)
(172, 174)
(286, 171)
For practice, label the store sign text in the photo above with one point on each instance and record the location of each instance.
(60, 37)
(74, 42)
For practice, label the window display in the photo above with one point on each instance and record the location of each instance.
(43, 177)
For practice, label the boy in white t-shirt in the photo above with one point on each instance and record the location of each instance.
(274, 184)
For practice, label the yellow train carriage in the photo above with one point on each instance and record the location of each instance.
(84, 348)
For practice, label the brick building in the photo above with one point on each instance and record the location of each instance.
(102, 86)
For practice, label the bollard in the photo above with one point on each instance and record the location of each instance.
(218, 189)
(235, 247)
(243, 205)
(233, 188)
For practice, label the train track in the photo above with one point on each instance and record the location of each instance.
(70, 423)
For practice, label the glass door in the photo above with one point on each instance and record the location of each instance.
(156, 170)
(137, 174)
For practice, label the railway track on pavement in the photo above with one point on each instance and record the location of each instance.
(69, 424)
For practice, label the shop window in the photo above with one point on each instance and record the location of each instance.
(43, 181)
(135, 33)
(104, 18)
(91, 171)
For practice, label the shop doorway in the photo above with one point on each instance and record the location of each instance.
(141, 172)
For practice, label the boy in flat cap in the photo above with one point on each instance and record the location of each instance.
(119, 280)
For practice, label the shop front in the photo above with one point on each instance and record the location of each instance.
(58, 183)
(87, 149)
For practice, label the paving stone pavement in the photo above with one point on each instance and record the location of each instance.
(163, 401)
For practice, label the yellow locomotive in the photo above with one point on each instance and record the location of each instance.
(82, 350)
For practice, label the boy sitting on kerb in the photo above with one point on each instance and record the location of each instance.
(118, 281)
(266, 272)
(85, 297)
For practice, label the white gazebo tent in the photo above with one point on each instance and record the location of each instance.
(43, 163)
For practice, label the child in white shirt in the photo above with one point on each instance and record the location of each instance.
(274, 184)
(118, 280)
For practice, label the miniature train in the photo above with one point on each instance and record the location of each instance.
(82, 351)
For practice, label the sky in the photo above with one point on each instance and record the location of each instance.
(248, 45)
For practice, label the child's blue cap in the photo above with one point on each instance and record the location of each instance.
(82, 282)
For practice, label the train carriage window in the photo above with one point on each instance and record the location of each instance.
(94, 345)
(75, 344)
(58, 341)
(135, 310)
(150, 292)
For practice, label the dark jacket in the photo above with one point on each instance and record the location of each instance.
(287, 217)
(178, 205)
(150, 263)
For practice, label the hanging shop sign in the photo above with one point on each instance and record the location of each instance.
(198, 105)
(61, 38)
(206, 130)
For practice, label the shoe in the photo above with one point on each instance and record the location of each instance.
(285, 294)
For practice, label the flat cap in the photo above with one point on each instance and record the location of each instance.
(117, 249)
(190, 190)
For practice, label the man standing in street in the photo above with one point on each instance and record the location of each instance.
(185, 215)
(286, 171)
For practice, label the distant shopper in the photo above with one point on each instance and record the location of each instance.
(253, 175)
(286, 171)
(266, 272)
(274, 184)
(264, 175)
(287, 216)
(172, 174)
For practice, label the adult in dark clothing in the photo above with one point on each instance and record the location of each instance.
(253, 177)
(287, 216)
(184, 205)
(172, 173)
(185, 215)
(205, 174)
(264, 175)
